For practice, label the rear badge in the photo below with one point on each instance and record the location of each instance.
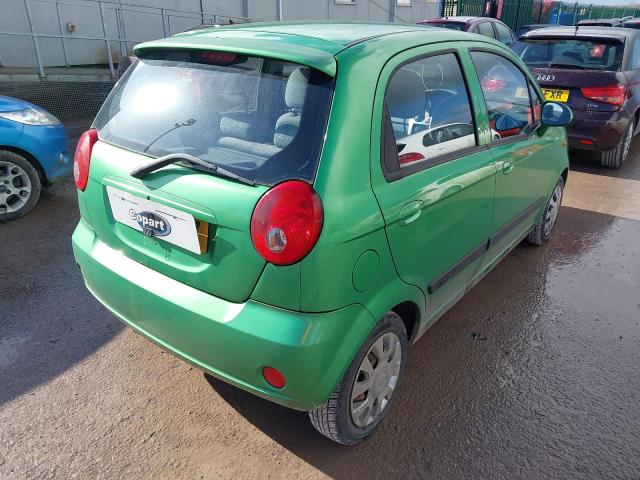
(543, 77)
(152, 224)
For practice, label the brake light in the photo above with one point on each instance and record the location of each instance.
(286, 222)
(82, 158)
(613, 94)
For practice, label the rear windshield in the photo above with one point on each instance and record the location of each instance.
(260, 118)
(571, 53)
(450, 25)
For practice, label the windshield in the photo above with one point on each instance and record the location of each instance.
(571, 53)
(260, 118)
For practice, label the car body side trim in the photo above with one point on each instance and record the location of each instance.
(477, 252)
(463, 263)
(513, 223)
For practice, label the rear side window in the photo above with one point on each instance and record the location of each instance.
(506, 94)
(261, 118)
(504, 34)
(485, 28)
(571, 53)
(635, 58)
(429, 110)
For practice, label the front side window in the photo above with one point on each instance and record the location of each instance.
(506, 94)
(263, 119)
(429, 110)
(571, 53)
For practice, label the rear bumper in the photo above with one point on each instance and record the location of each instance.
(232, 341)
(597, 131)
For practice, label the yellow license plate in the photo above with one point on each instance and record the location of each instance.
(555, 95)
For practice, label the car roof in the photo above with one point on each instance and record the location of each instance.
(310, 43)
(586, 31)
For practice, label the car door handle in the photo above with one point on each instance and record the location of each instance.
(410, 212)
(507, 167)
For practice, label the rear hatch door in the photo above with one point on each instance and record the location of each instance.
(258, 118)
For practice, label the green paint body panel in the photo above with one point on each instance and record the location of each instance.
(382, 243)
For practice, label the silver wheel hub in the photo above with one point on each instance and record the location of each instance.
(552, 209)
(376, 380)
(15, 187)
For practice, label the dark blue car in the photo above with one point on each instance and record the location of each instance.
(34, 153)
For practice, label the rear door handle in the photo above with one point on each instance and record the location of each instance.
(410, 212)
(507, 167)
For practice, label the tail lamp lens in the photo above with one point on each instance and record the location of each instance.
(286, 222)
(613, 94)
(82, 158)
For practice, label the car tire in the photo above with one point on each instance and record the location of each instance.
(335, 419)
(20, 186)
(542, 231)
(615, 158)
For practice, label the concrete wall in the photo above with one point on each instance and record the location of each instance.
(141, 20)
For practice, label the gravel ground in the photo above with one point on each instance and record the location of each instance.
(534, 374)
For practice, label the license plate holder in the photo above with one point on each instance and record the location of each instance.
(154, 220)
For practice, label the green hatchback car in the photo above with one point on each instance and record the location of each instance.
(288, 206)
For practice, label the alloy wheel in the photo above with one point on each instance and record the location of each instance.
(376, 380)
(15, 187)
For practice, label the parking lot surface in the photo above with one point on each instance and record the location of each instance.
(534, 374)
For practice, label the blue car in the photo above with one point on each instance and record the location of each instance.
(34, 153)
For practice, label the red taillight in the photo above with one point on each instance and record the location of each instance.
(492, 85)
(286, 222)
(274, 377)
(82, 158)
(407, 158)
(613, 94)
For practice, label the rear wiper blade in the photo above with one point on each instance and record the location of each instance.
(194, 162)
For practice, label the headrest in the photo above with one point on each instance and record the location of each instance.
(296, 90)
(405, 95)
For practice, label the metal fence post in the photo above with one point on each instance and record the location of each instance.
(64, 46)
(106, 41)
(121, 33)
(559, 14)
(575, 13)
(27, 6)
(164, 23)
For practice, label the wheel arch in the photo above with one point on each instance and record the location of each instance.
(31, 158)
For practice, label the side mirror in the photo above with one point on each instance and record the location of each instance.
(556, 115)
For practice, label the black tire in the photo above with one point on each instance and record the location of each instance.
(615, 158)
(333, 419)
(7, 157)
(542, 232)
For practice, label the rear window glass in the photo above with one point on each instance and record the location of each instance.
(571, 53)
(450, 25)
(260, 118)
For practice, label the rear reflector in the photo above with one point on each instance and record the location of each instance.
(612, 94)
(273, 377)
(585, 141)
